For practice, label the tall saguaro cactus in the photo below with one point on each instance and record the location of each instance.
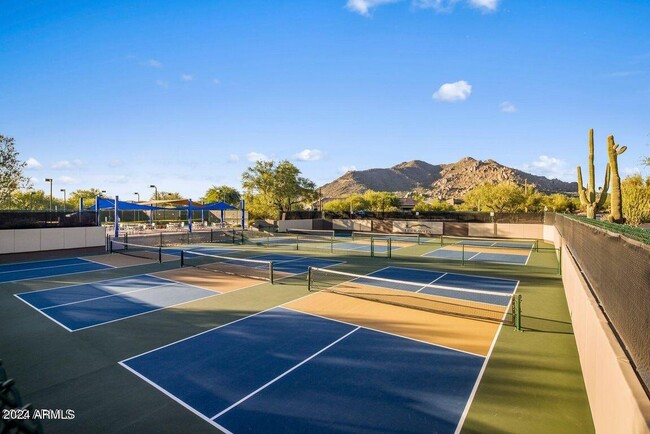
(616, 214)
(588, 195)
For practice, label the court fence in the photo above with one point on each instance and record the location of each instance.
(21, 219)
(617, 270)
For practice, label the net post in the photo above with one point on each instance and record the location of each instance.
(160, 255)
(462, 260)
(297, 242)
(271, 272)
(309, 279)
(211, 237)
(389, 246)
(126, 237)
(441, 239)
(182, 258)
(517, 313)
(537, 245)
(372, 247)
(161, 240)
(332, 245)
(242, 235)
(110, 246)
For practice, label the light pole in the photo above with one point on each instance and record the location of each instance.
(64, 198)
(156, 198)
(137, 194)
(50, 180)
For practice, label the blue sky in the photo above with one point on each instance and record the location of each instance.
(185, 94)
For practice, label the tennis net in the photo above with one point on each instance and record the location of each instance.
(470, 303)
(325, 233)
(509, 243)
(408, 238)
(137, 250)
(253, 268)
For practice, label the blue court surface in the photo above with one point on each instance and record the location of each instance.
(479, 256)
(449, 281)
(295, 264)
(259, 374)
(48, 268)
(78, 307)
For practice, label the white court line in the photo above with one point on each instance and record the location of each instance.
(43, 313)
(463, 416)
(432, 282)
(287, 372)
(52, 266)
(179, 401)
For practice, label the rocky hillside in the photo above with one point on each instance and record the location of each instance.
(444, 181)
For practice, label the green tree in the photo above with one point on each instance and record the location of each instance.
(338, 206)
(559, 203)
(381, 201)
(636, 199)
(11, 170)
(166, 195)
(277, 187)
(503, 197)
(37, 200)
(433, 206)
(87, 195)
(222, 193)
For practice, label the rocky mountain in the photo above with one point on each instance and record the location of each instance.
(443, 181)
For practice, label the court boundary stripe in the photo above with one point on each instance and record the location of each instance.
(174, 398)
(44, 314)
(44, 260)
(285, 373)
(108, 267)
(428, 255)
(381, 331)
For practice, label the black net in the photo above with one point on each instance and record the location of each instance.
(136, 250)
(485, 305)
(252, 268)
(618, 271)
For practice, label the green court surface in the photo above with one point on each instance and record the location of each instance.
(532, 382)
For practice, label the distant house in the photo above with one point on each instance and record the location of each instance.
(406, 203)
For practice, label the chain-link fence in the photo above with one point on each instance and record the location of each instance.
(618, 271)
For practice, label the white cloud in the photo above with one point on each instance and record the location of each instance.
(66, 164)
(629, 171)
(256, 156)
(309, 155)
(115, 162)
(485, 5)
(152, 63)
(550, 167)
(346, 169)
(66, 180)
(438, 5)
(187, 77)
(33, 163)
(233, 157)
(363, 7)
(507, 107)
(216, 81)
(162, 83)
(452, 92)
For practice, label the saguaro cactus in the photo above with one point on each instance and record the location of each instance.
(588, 196)
(616, 214)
